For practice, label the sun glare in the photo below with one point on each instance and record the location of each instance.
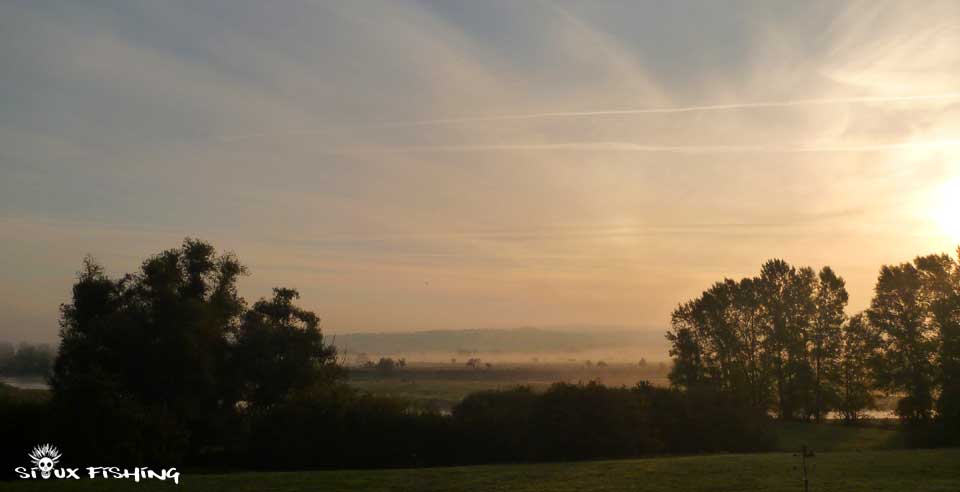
(946, 209)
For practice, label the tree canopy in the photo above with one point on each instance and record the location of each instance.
(175, 346)
(783, 342)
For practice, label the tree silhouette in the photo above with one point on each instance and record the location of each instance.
(854, 381)
(826, 338)
(772, 340)
(907, 345)
(159, 361)
(279, 349)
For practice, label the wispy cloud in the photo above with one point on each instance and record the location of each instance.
(745, 106)
(545, 162)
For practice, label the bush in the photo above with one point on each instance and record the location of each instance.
(24, 423)
(338, 428)
(591, 421)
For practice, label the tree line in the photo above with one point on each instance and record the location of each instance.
(26, 359)
(782, 342)
(169, 365)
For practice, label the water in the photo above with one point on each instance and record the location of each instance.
(867, 414)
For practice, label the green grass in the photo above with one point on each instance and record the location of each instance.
(902, 470)
(847, 458)
(835, 436)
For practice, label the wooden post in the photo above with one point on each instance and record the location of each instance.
(803, 466)
(804, 454)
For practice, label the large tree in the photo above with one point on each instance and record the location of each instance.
(753, 331)
(905, 363)
(156, 362)
(826, 338)
(940, 275)
(769, 340)
(151, 346)
(742, 336)
(787, 296)
(706, 342)
(854, 381)
(280, 349)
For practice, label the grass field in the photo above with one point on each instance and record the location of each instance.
(835, 436)
(861, 458)
(441, 394)
(902, 470)
(438, 386)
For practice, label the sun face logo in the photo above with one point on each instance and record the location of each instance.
(45, 458)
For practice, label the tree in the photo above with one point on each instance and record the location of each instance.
(6, 357)
(386, 366)
(857, 346)
(156, 362)
(940, 276)
(26, 360)
(907, 341)
(685, 350)
(765, 340)
(279, 350)
(825, 338)
(704, 341)
(787, 296)
(151, 346)
(754, 331)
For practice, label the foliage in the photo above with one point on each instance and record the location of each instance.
(771, 340)
(386, 366)
(159, 363)
(905, 360)
(916, 311)
(785, 334)
(590, 421)
(279, 350)
(565, 422)
(26, 359)
(169, 364)
(827, 339)
(335, 427)
(854, 383)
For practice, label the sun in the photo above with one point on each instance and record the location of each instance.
(946, 209)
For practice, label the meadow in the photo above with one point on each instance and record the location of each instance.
(440, 386)
(876, 471)
(870, 456)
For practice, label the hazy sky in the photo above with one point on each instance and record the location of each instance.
(426, 165)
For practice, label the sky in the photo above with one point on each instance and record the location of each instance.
(414, 165)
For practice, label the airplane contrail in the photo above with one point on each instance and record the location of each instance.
(678, 149)
(623, 112)
(685, 109)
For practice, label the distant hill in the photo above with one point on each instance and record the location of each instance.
(517, 340)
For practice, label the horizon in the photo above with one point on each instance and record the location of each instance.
(420, 165)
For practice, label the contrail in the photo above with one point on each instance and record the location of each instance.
(684, 109)
(677, 149)
(615, 112)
